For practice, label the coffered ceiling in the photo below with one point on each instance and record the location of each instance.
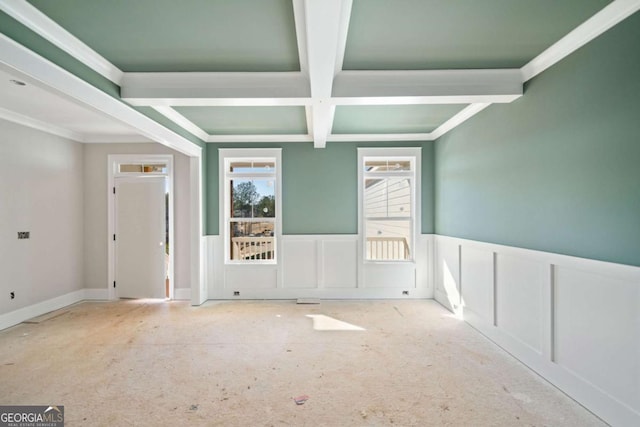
(320, 71)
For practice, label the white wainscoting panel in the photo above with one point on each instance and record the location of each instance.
(447, 287)
(250, 277)
(574, 321)
(214, 266)
(380, 275)
(519, 290)
(594, 315)
(478, 266)
(299, 263)
(319, 266)
(339, 263)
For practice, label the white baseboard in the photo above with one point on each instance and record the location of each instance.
(15, 317)
(182, 294)
(25, 313)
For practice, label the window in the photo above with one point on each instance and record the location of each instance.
(251, 207)
(388, 204)
(160, 168)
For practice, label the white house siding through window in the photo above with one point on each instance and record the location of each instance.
(388, 208)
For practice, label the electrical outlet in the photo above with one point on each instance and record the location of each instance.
(13, 295)
(23, 234)
(236, 293)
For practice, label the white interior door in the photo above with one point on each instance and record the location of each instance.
(140, 237)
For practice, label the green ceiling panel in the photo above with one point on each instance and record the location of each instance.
(442, 34)
(392, 118)
(185, 35)
(247, 120)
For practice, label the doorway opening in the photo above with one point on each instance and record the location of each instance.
(141, 242)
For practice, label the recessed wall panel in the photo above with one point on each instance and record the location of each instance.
(477, 282)
(447, 290)
(597, 331)
(519, 284)
(250, 277)
(340, 261)
(390, 275)
(299, 263)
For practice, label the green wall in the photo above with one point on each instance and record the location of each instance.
(559, 169)
(319, 186)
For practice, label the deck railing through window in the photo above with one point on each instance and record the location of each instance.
(252, 248)
(388, 248)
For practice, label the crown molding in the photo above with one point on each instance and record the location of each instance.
(602, 21)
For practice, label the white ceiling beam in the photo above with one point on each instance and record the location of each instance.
(321, 123)
(308, 112)
(301, 35)
(156, 88)
(219, 102)
(422, 100)
(373, 137)
(322, 19)
(608, 17)
(343, 30)
(349, 87)
(326, 23)
(259, 138)
(459, 118)
(114, 138)
(41, 24)
(17, 57)
(427, 86)
(182, 121)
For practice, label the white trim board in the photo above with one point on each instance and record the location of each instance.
(623, 271)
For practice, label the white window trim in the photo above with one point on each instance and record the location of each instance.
(416, 197)
(224, 206)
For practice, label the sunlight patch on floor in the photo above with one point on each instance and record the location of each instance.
(326, 323)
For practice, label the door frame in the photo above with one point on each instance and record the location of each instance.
(113, 161)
